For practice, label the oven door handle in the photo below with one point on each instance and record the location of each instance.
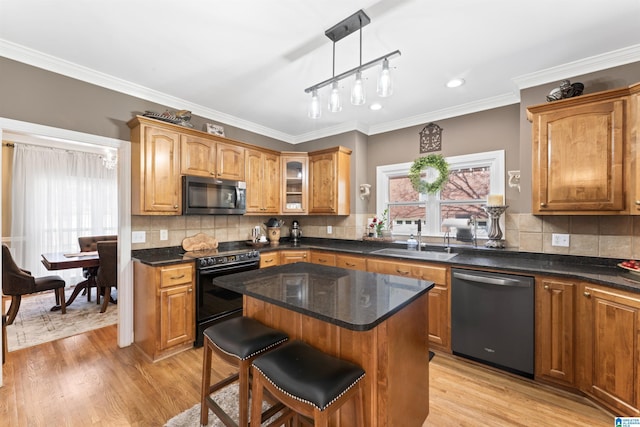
(216, 270)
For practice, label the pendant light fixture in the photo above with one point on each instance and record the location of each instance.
(344, 28)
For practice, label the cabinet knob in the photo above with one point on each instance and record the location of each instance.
(637, 202)
(543, 205)
(587, 294)
(190, 289)
(175, 206)
(546, 287)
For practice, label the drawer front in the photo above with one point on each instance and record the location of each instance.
(176, 275)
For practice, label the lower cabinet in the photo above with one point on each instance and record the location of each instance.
(269, 259)
(555, 331)
(439, 297)
(164, 309)
(291, 256)
(608, 361)
(353, 262)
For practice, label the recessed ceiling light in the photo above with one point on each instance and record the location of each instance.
(375, 106)
(455, 83)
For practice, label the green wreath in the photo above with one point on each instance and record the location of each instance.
(435, 161)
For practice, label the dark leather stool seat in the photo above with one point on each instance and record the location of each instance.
(308, 381)
(238, 341)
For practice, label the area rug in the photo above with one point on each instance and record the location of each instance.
(227, 398)
(36, 323)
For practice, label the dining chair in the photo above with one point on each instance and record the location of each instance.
(107, 276)
(89, 244)
(17, 282)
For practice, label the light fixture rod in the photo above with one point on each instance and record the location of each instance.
(351, 72)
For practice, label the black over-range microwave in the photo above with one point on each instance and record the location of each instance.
(211, 196)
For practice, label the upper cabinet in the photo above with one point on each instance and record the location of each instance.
(263, 181)
(329, 181)
(582, 154)
(277, 182)
(155, 170)
(204, 157)
(294, 182)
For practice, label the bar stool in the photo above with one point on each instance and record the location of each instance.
(237, 341)
(309, 382)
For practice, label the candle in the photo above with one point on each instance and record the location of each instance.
(495, 200)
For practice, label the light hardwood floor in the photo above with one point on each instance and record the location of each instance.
(87, 380)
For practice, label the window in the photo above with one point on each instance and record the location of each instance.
(471, 178)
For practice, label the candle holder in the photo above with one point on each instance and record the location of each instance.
(495, 234)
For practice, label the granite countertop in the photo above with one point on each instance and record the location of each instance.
(595, 270)
(353, 299)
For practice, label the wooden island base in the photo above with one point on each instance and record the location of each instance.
(394, 355)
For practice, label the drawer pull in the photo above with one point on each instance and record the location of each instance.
(349, 264)
(267, 261)
(177, 277)
(404, 273)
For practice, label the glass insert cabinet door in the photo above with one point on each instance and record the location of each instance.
(294, 183)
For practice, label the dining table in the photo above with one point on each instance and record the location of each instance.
(64, 261)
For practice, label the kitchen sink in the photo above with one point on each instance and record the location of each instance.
(406, 253)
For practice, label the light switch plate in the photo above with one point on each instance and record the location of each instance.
(560, 240)
(329, 229)
(164, 234)
(138, 237)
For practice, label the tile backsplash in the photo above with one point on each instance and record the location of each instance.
(599, 236)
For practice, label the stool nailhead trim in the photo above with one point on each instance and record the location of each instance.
(306, 401)
(262, 350)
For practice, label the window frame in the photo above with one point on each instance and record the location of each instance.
(495, 160)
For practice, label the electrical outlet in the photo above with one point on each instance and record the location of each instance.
(560, 240)
(164, 234)
(329, 229)
(138, 237)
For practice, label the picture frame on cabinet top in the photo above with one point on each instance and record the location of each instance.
(215, 129)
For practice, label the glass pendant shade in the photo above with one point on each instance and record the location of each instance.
(357, 92)
(384, 81)
(335, 104)
(314, 108)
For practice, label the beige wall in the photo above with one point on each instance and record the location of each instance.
(33, 95)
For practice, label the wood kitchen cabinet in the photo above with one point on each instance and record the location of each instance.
(323, 258)
(155, 170)
(609, 353)
(354, 262)
(295, 172)
(203, 156)
(269, 259)
(581, 152)
(634, 148)
(555, 330)
(291, 256)
(262, 171)
(329, 181)
(164, 309)
(439, 297)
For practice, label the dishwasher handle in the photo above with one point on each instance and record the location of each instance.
(499, 281)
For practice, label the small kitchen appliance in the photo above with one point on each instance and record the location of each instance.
(296, 232)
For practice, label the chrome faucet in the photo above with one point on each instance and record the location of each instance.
(447, 241)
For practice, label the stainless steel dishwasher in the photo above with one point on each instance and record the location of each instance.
(492, 319)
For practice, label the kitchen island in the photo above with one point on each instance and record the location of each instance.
(378, 321)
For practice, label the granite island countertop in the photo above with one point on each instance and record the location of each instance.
(352, 299)
(592, 269)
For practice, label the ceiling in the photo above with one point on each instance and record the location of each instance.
(246, 63)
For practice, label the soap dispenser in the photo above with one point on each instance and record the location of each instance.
(412, 244)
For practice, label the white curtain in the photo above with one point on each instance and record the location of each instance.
(59, 195)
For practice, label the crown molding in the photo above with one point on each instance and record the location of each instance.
(591, 64)
(50, 63)
(447, 113)
(587, 65)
